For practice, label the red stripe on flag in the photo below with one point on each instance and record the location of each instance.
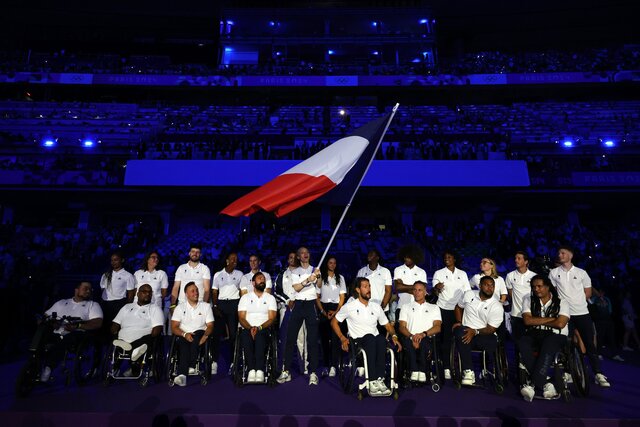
(281, 195)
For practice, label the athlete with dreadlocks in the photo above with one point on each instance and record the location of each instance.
(545, 316)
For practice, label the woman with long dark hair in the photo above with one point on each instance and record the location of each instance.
(331, 297)
(150, 274)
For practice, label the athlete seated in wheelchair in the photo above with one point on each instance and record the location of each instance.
(138, 327)
(256, 346)
(81, 318)
(365, 344)
(478, 317)
(420, 322)
(545, 316)
(191, 325)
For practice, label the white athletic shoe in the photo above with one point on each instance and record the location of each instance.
(180, 380)
(468, 377)
(414, 376)
(332, 372)
(284, 377)
(527, 392)
(313, 379)
(549, 391)
(602, 381)
(422, 377)
(259, 376)
(251, 378)
(45, 375)
(214, 368)
(447, 374)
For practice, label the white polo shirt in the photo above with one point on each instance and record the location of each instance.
(571, 285)
(564, 311)
(193, 318)
(330, 291)
(198, 274)
(499, 289)
(137, 320)
(420, 317)
(456, 283)
(158, 281)
(479, 314)
(257, 308)
(121, 282)
(362, 319)
(247, 284)
(227, 284)
(308, 293)
(520, 285)
(409, 276)
(85, 310)
(379, 279)
(287, 283)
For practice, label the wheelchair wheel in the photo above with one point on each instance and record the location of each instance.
(455, 367)
(499, 378)
(578, 371)
(238, 363)
(86, 364)
(158, 361)
(437, 369)
(26, 379)
(272, 360)
(502, 364)
(347, 371)
(172, 362)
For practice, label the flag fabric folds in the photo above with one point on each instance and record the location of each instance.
(338, 167)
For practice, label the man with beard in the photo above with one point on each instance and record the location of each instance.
(362, 321)
(256, 312)
(193, 271)
(478, 317)
(246, 285)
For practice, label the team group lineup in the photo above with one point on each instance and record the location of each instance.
(314, 311)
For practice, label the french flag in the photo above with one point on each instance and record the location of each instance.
(340, 166)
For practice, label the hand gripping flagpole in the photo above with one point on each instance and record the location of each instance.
(346, 208)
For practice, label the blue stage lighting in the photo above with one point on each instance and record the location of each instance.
(330, 52)
(375, 52)
(49, 142)
(567, 144)
(609, 143)
(374, 23)
(423, 21)
(87, 143)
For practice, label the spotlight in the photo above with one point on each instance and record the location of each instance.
(567, 144)
(342, 112)
(330, 52)
(609, 143)
(49, 142)
(423, 21)
(87, 143)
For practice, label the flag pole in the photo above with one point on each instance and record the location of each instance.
(346, 208)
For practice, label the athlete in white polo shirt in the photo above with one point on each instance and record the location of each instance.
(138, 323)
(419, 320)
(478, 316)
(518, 285)
(193, 271)
(118, 288)
(150, 275)
(450, 284)
(380, 279)
(257, 311)
(226, 295)
(192, 324)
(246, 285)
(405, 275)
(363, 319)
(574, 286)
(545, 316)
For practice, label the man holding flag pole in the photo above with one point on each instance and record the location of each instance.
(337, 171)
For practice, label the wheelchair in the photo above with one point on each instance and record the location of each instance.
(494, 373)
(435, 370)
(354, 362)
(80, 361)
(203, 362)
(151, 364)
(239, 368)
(568, 368)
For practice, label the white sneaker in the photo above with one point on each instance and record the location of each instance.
(193, 371)
(447, 374)
(549, 391)
(122, 344)
(332, 372)
(360, 372)
(568, 378)
(383, 387)
(214, 368)
(45, 375)
(528, 392)
(251, 378)
(422, 377)
(374, 387)
(627, 348)
(618, 358)
(138, 352)
(313, 379)
(284, 377)
(468, 377)
(180, 380)
(602, 381)
(259, 376)
(414, 376)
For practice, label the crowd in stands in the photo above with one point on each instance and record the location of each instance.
(597, 60)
